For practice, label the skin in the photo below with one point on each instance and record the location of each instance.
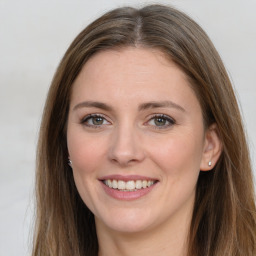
(128, 140)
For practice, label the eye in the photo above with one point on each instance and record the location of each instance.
(161, 121)
(95, 121)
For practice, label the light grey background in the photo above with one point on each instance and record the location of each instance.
(33, 37)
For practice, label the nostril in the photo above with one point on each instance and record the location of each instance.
(124, 161)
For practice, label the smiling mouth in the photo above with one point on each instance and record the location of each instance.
(129, 186)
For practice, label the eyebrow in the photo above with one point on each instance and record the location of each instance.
(161, 104)
(143, 106)
(93, 104)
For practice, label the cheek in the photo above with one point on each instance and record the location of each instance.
(178, 154)
(85, 151)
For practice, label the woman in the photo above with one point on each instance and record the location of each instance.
(142, 149)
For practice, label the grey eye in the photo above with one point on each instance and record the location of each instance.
(97, 120)
(160, 121)
(94, 120)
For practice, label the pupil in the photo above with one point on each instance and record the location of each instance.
(97, 120)
(160, 121)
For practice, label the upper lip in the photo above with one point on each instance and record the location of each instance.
(126, 177)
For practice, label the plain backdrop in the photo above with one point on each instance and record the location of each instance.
(34, 36)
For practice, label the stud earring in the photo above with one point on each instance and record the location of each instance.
(69, 162)
(210, 163)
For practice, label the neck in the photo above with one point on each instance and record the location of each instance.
(164, 240)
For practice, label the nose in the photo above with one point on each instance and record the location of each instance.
(126, 147)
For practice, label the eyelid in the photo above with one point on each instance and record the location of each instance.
(171, 121)
(87, 117)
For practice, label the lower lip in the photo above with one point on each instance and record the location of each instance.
(127, 195)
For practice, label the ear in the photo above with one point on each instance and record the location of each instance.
(212, 148)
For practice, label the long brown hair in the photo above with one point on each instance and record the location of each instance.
(224, 217)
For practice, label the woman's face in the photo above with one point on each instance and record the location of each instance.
(136, 140)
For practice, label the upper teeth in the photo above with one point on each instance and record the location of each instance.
(129, 185)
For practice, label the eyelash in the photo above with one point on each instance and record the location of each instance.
(170, 121)
(86, 119)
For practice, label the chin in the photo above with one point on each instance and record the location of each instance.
(128, 222)
(127, 227)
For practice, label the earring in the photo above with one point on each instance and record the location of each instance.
(210, 163)
(69, 162)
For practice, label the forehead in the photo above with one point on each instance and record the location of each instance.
(131, 73)
(138, 64)
(131, 57)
